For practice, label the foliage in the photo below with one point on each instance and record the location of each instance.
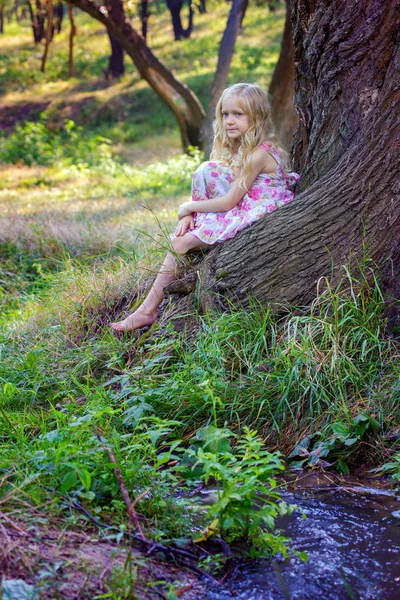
(338, 438)
(35, 143)
(247, 500)
(391, 468)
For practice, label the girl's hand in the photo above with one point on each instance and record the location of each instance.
(185, 210)
(184, 225)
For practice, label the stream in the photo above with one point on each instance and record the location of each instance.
(353, 542)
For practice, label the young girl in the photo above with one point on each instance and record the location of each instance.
(244, 181)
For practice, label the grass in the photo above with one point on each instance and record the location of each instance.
(79, 243)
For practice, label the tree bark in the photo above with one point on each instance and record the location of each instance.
(281, 88)
(181, 100)
(72, 33)
(49, 33)
(347, 151)
(225, 55)
(116, 67)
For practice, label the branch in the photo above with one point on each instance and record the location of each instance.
(132, 514)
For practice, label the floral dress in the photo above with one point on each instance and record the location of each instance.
(213, 180)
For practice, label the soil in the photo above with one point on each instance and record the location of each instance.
(76, 565)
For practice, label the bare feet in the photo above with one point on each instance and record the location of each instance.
(136, 320)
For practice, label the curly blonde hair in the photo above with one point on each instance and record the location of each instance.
(236, 153)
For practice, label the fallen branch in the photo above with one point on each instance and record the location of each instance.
(132, 514)
(184, 557)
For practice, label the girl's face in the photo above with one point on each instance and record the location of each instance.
(235, 121)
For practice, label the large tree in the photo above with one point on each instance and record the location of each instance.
(347, 151)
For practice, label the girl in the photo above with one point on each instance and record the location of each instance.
(244, 181)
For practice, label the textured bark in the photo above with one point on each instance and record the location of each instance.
(227, 47)
(281, 88)
(347, 59)
(181, 100)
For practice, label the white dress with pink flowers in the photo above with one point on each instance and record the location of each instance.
(268, 192)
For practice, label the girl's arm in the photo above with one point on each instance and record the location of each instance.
(260, 161)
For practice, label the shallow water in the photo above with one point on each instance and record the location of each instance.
(353, 544)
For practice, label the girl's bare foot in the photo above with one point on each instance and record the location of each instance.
(136, 320)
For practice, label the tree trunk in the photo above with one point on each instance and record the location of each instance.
(1, 19)
(49, 33)
(281, 88)
(201, 5)
(181, 100)
(116, 66)
(37, 21)
(72, 33)
(144, 16)
(175, 7)
(347, 151)
(59, 15)
(225, 55)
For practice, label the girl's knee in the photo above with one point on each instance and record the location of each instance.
(179, 244)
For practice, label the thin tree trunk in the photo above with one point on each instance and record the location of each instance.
(224, 64)
(72, 33)
(347, 151)
(144, 16)
(48, 33)
(202, 7)
(281, 88)
(175, 7)
(37, 20)
(116, 67)
(1, 19)
(59, 15)
(181, 100)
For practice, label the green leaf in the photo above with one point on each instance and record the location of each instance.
(343, 468)
(69, 481)
(86, 478)
(350, 441)
(303, 556)
(340, 429)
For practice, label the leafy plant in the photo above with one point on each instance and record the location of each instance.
(339, 437)
(391, 468)
(34, 143)
(247, 500)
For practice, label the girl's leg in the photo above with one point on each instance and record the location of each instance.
(146, 314)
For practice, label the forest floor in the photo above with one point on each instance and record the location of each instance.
(84, 224)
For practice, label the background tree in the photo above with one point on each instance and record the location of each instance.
(281, 88)
(175, 8)
(72, 34)
(347, 151)
(144, 16)
(225, 55)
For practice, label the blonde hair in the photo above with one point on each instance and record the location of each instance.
(236, 153)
